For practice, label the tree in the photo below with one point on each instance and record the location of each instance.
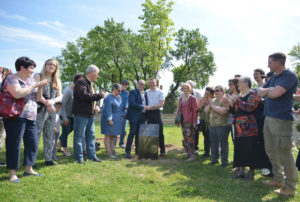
(107, 47)
(295, 55)
(157, 30)
(197, 63)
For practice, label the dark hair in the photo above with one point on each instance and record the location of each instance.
(235, 83)
(76, 77)
(25, 62)
(211, 90)
(125, 82)
(116, 86)
(278, 57)
(237, 76)
(262, 72)
(247, 80)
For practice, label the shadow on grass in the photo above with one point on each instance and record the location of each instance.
(193, 180)
(211, 182)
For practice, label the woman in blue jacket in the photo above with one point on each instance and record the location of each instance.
(111, 119)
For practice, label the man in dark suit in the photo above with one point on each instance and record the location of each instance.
(136, 115)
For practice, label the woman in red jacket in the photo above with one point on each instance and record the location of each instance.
(187, 106)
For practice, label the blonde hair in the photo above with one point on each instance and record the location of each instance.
(55, 76)
(186, 85)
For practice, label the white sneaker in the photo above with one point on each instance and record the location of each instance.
(265, 171)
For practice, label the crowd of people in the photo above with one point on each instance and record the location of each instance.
(259, 119)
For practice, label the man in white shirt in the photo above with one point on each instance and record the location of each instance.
(156, 100)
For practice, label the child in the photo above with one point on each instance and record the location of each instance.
(56, 130)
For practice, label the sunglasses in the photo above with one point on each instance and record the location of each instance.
(218, 90)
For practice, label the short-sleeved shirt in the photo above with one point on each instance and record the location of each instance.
(154, 96)
(282, 107)
(30, 109)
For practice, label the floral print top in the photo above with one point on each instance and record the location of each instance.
(30, 109)
(244, 115)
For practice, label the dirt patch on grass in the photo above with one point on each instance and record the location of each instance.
(170, 148)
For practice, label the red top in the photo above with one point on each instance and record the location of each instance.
(189, 109)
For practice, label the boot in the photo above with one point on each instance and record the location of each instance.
(285, 191)
(273, 183)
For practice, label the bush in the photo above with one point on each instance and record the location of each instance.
(171, 103)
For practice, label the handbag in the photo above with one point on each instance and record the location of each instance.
(9, 106)
(179, 117)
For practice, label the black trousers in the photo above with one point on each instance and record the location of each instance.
(155, 117)
(134, 133)
(298, 161)
(16, 130)
(205, 131)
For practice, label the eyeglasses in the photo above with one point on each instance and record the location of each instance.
(142, 84)
(218, 90)
(50, 64)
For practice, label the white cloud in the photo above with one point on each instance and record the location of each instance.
(17, 33)
(15, 16)
(55, 25)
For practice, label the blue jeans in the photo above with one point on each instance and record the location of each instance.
(84, 127)
(66, 130)
(123, 134)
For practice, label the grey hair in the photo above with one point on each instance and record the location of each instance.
(116, 86)
(91, 68)
(192, 83)
(247, 80)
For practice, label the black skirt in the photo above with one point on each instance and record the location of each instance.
(250, 151)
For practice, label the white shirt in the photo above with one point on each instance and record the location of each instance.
(154, 97)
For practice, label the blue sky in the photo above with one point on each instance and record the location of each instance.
(241, 34)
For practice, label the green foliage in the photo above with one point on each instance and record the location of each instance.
(295, 55)
(171, 102)
(157, 28)
(118, 52)
(197, 62)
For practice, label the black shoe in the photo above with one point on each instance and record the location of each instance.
(128, 155)
(28, 174)
(204, 156)
(80, 161)
(163, 155)
(49, 163)
(224, 165)
(2, 163)
(95, 159)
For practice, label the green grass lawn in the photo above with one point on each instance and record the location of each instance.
(167, 179)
